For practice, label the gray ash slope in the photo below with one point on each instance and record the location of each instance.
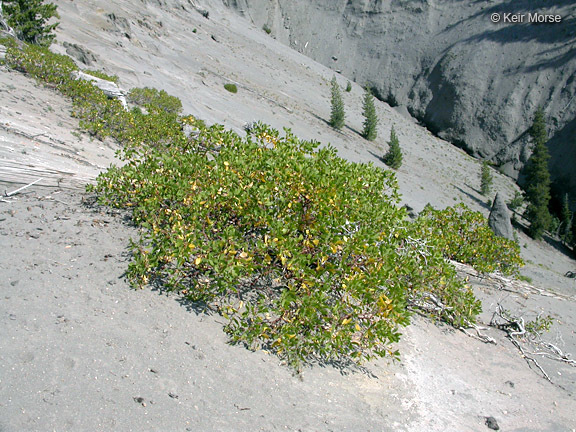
(473, 82)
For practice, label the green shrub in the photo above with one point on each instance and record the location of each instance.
(302, 251)
(158, 99)
(102, 75)
(231, 88)
(41, 63)
(463, 235)
(516, 202)
(306, 255)
(267, 28)
(348, 87)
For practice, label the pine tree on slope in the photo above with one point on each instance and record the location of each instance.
(537, 186)
(394, 156)
(28, 18)
(337, 116)
(370, 117)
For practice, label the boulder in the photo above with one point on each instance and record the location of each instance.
(499, 219)
(80, 53)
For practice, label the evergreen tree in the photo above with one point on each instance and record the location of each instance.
(370, 117)
(28, 18)
(337, 115)
(394, 156)
(537, 185)
(486, 179)
(574, 232)
(566, 221)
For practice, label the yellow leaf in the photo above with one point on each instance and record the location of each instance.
(357, 327)
(197, 261)
(346, 321)
(243, 255)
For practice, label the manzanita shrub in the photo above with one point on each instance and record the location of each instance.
(307, 255)
(463, 235)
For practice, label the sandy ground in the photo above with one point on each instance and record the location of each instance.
(80, 350)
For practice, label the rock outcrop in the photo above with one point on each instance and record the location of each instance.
(472, 81)
(499, 219)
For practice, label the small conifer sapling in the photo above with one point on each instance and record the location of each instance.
(394, 156)
(370, 131)
(337, 115)
(486, 179)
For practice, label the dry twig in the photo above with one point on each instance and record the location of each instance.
(8, 194)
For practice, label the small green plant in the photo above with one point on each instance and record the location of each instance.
(516, 202)
(267, 28)
(539, 325)
(337, 115)
(232, 88)
(102, 75)
(524, 278)
(486, 179)
(29, 20)
(370, 131)
(348, 87)
(393, 158)
(159, 99)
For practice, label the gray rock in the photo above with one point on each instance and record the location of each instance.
(499, 219)
(492, 423)
(80, 53)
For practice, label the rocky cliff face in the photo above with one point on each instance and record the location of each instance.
(473, 82)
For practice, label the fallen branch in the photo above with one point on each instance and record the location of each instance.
(515, 327)
(8, 194)
(480, 336)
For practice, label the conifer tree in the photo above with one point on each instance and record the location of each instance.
(370, 117)
(28, 18)
(486, 179)
(537, 185)
(394, 156)
(574, 232)
(337, 116)
(566, 221)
